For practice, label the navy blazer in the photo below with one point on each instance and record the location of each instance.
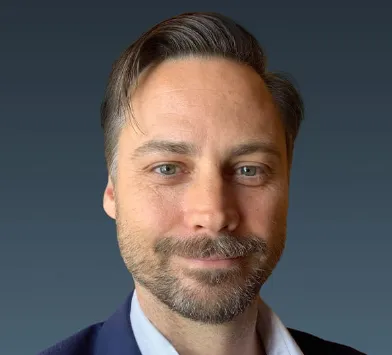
(115, 337)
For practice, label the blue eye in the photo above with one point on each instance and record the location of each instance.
(249, 170)
(166, 169)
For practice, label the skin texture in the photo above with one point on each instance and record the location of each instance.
(205, 197)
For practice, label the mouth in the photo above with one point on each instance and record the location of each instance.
(212, 262)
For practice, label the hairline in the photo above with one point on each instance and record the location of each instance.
(128, 116)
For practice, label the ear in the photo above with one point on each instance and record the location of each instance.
(290, 157)
(109, 203)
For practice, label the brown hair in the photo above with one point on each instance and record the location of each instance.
(198, 34)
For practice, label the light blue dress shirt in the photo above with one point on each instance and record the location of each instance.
(275, 336)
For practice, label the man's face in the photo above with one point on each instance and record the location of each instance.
(201, 192)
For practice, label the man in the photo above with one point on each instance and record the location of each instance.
(199, 141)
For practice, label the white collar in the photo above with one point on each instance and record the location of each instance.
(275, 336)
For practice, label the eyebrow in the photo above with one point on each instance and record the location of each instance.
(184, 148)
(158, 146)
(254, 147)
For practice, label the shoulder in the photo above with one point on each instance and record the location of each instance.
(310, 343)
(80, 343)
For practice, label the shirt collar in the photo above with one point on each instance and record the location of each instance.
(148, 338)
(275, 336)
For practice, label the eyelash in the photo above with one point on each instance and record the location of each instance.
(166, 164)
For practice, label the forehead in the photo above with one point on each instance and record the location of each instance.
(204, 99)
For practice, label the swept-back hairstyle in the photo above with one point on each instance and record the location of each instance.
(197, 34)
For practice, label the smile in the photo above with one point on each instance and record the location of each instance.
(213, 261)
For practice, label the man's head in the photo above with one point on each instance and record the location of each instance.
(198, 141)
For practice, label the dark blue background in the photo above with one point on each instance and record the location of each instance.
(60, 268)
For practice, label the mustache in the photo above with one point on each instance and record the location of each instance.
(225, 245)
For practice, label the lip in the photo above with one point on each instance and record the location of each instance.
(213, 261)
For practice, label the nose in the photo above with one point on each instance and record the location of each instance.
(209, 206)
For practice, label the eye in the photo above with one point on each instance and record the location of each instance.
(249, 170)
(252, 175)
(166, 169)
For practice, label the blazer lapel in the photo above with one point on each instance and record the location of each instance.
(116, 335)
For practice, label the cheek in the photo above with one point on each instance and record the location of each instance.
(264, 212)
(151, 209)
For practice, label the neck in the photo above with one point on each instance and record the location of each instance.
(239, 336)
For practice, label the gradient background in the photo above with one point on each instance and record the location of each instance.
(60, 267)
